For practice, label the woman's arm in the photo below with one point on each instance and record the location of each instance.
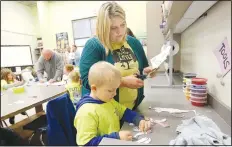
(91, 54)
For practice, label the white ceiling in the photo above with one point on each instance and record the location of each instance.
(28, 3)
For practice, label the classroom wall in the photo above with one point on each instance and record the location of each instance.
(18, 25)
(155, 38)
(198, 43)
(61, 13)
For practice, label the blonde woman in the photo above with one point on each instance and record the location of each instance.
(112, 44)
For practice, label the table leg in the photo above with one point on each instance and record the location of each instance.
(39, 108)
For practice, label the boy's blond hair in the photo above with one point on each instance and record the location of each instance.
(103, 72)
(74, 76)
(105, 13)
(69, 67)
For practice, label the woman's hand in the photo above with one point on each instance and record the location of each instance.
(131, 82)
(150, 71)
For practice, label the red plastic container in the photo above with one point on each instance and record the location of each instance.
(198, 103)
(199, 81)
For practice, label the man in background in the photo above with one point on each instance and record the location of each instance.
(51, 63)
(77, 55)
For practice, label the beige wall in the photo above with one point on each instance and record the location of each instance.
(198, 43)
(154, 35)
(61, 13)
(17, 25)
(155, 38)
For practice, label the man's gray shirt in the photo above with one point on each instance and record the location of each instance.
(53, 67)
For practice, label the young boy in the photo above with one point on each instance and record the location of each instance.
(67, 69)
(98, 114)
(74, 87)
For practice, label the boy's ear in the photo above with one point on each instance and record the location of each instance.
(93, 88)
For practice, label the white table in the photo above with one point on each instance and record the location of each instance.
(34, 96)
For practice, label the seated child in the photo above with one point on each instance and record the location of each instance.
(67, 69)
(98, 114)
(74, 87)
(8, 81)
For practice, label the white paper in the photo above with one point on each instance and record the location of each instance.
(142, 140)
(131, 124)
(138, 134)
(136, 129)
(172, 110)
(52, 84)
(57, 83)
(160, 58)
(147, 141)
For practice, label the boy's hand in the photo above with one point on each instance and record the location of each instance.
(125, 135)
(144, 125)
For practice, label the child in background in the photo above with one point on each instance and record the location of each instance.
(74, 87)
(71, 57)
(8, 81)
(68, 68)
(101, 111)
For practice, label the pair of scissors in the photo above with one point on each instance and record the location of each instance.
(143, 77)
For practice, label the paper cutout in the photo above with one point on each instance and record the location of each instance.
(160, 58)
(171, 110)
(136, 129)
(142, 140)
(161, 122)
(131, 124)
(147, 141)
(138, 134)
(52, 84)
